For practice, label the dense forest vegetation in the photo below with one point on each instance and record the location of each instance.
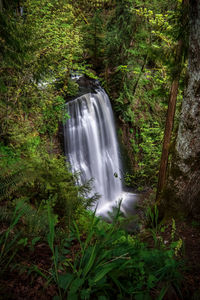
(146, 56)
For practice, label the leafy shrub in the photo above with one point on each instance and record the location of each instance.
(109, 263)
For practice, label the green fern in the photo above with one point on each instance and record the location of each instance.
(9, 183)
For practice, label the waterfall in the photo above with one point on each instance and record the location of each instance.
(91, 146)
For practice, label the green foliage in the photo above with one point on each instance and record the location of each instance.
(109, 263)
(37, 49)
(42, 178)
(57, 33)
(152, 215)
(156, 227)
(10, 241)
(50, 239)
(72, 88)
(150, 152)
(93, 37)
(139, 49)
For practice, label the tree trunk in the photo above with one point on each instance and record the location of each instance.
(169, 123)
(183, 189)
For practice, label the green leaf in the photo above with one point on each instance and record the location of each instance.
(106, 269)
(76, 284)
(151, 281)
(64, 280)
(162, 293)
(23, 242)
(35, 240)
(91, 261)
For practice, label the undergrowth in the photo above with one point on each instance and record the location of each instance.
(91, 259)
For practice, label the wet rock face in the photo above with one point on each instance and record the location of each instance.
(87, 85)
(186, 186)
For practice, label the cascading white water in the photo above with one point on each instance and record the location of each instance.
(91, 146)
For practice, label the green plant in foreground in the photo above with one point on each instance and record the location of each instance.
(50, 238)
(9, 241)
(108, 263)
(157, 228)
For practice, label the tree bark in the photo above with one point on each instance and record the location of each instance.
(169, 123)
(183, 189)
